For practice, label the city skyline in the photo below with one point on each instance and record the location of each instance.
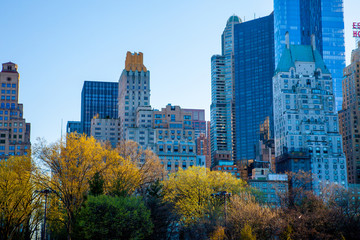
(57, 48)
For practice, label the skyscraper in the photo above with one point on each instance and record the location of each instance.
(222, 93)
(218, 136)
(14, 131)
(134, 108)
(254, 69)
(349, 117)
(305, 121)
(325, 19)
(98, 99)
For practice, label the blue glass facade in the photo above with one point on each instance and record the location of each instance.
(98, 98)
(254, 69)
(74, 126)
(324, 19)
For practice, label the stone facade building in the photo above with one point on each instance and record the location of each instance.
(14, 131)
(134, 108)
(106, 130)
(349, 117)
(305, 119)
(174, 138)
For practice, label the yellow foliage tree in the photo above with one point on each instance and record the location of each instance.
(146, 161)
(247, 216)
(19, 204)
(191, 190)
(72, 164)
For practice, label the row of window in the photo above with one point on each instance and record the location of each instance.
(12, 153)
(8, 91)
(176, 148)
(173, 132)
(173, 137)
(12, 147)
(8, 85)
(8, 97)
(15, 125)
(7, 105)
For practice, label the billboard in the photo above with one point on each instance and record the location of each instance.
(356, 29)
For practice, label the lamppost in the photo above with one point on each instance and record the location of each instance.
(225, 195)
(45, 192)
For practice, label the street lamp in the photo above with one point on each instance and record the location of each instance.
(45, 192)
(225, 195)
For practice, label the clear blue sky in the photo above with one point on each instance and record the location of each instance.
(59, 44)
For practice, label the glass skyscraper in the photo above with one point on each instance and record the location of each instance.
(324, 19)
(98, 98)
(222, 112)
(227, 42)
(254, 69)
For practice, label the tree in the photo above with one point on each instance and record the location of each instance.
(162, 215)
(245, 212)
(190, 190)
(72, 164)
(311, 218)
(247, 233)
(106, 217)
(122, 178)
(300, 185)
(20, 205)
(148, 163)
(97, 184)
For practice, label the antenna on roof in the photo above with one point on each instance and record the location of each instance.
(61, 130)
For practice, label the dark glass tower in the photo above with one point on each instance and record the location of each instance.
(324, 19)
(98, 98)
(254, 69)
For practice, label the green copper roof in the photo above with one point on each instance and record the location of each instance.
(234, 18)
(300, 53)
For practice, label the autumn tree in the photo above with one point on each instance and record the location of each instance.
(246, 213)
(300, 185)
(191, 190)
(20, 205)
(147, 162)
(72, 164)
(247, 233)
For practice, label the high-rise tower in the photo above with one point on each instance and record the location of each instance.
(14, 131)
(324, 19)
(222, 112)
(254, 69)
(349, 117)
(97, 99)
(134, 108)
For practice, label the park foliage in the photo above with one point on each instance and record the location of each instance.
(97, 192)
